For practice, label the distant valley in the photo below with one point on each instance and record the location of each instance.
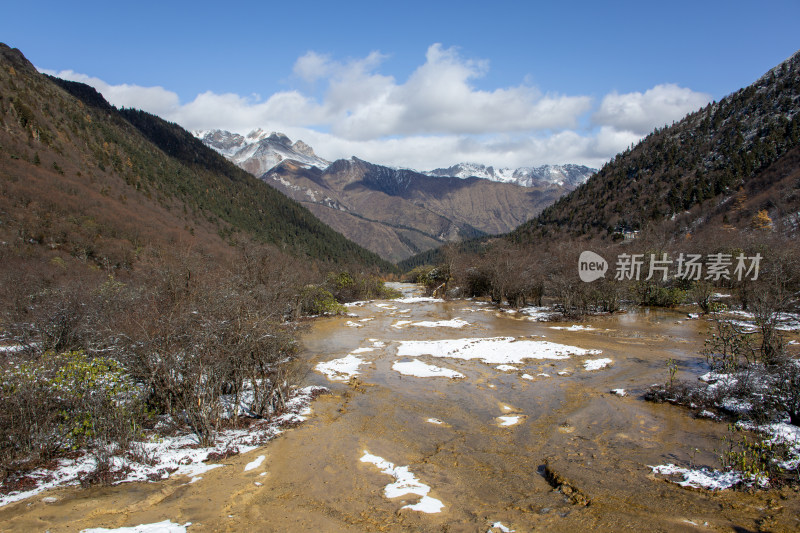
(397, 213)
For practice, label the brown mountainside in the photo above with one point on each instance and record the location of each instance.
(398, 213)
(82, 179)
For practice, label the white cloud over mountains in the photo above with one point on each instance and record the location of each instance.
(641, 112)
(436, 117)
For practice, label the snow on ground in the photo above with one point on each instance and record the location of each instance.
(574, 327)
(597, 364)
(389, 307)
(170, 456)
(421, 369)
(167, 526)
(454, 323)
(777, 433)
(406, 483)
(341, 369)
(784, 321)
(506, 368)
(492, 350)
(362, 350)
(527, 376)
(401, 323)
(715, 380)
(352, 324)
(501, 527)
(435, 421)
(11, 349)
(619, 392)
(510, 420)
(255, 463)
(700, 478)
(539, 314)
(417, 299)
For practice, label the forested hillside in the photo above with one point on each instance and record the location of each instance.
(143, 277)
(709, 162)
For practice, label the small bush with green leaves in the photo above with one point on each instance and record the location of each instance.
(316, 300)
(756, 458)
(62, 401)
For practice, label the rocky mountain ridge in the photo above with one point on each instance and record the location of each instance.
(259, 151)
(568, 175)
(399, 212)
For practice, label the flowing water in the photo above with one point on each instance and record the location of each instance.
(569, 455)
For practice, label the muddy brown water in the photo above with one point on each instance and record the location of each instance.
(577, 461)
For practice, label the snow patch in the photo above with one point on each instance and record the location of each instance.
(701, 478)
(454, 323)
(596, 364)
(417, 299)
(421, 369)
(167, 526)
(341, 369)
(539, 314)
(255, 463)
(492, 350)
(510, 420)
(501, 527)
(406, 483)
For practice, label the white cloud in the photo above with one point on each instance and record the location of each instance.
(641, 113)
(156, 100)
(434, 118)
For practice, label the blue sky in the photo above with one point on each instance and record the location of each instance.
(416, 84)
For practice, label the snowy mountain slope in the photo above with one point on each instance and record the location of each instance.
(258, 152)
(569, 176)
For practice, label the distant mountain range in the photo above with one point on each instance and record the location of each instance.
(397, 213)
(569, 176)
(394, 212)
(258, 152)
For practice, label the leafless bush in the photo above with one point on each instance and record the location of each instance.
(212, 334)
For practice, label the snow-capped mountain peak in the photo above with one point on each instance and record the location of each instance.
(259, 151)
(569, 175)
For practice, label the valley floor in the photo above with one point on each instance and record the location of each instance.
(452, 416)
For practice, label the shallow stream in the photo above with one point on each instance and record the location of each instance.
(544, 446)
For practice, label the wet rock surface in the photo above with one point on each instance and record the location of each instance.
(575, 459)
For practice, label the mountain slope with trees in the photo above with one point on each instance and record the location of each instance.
(144, 278)
(686, 174)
